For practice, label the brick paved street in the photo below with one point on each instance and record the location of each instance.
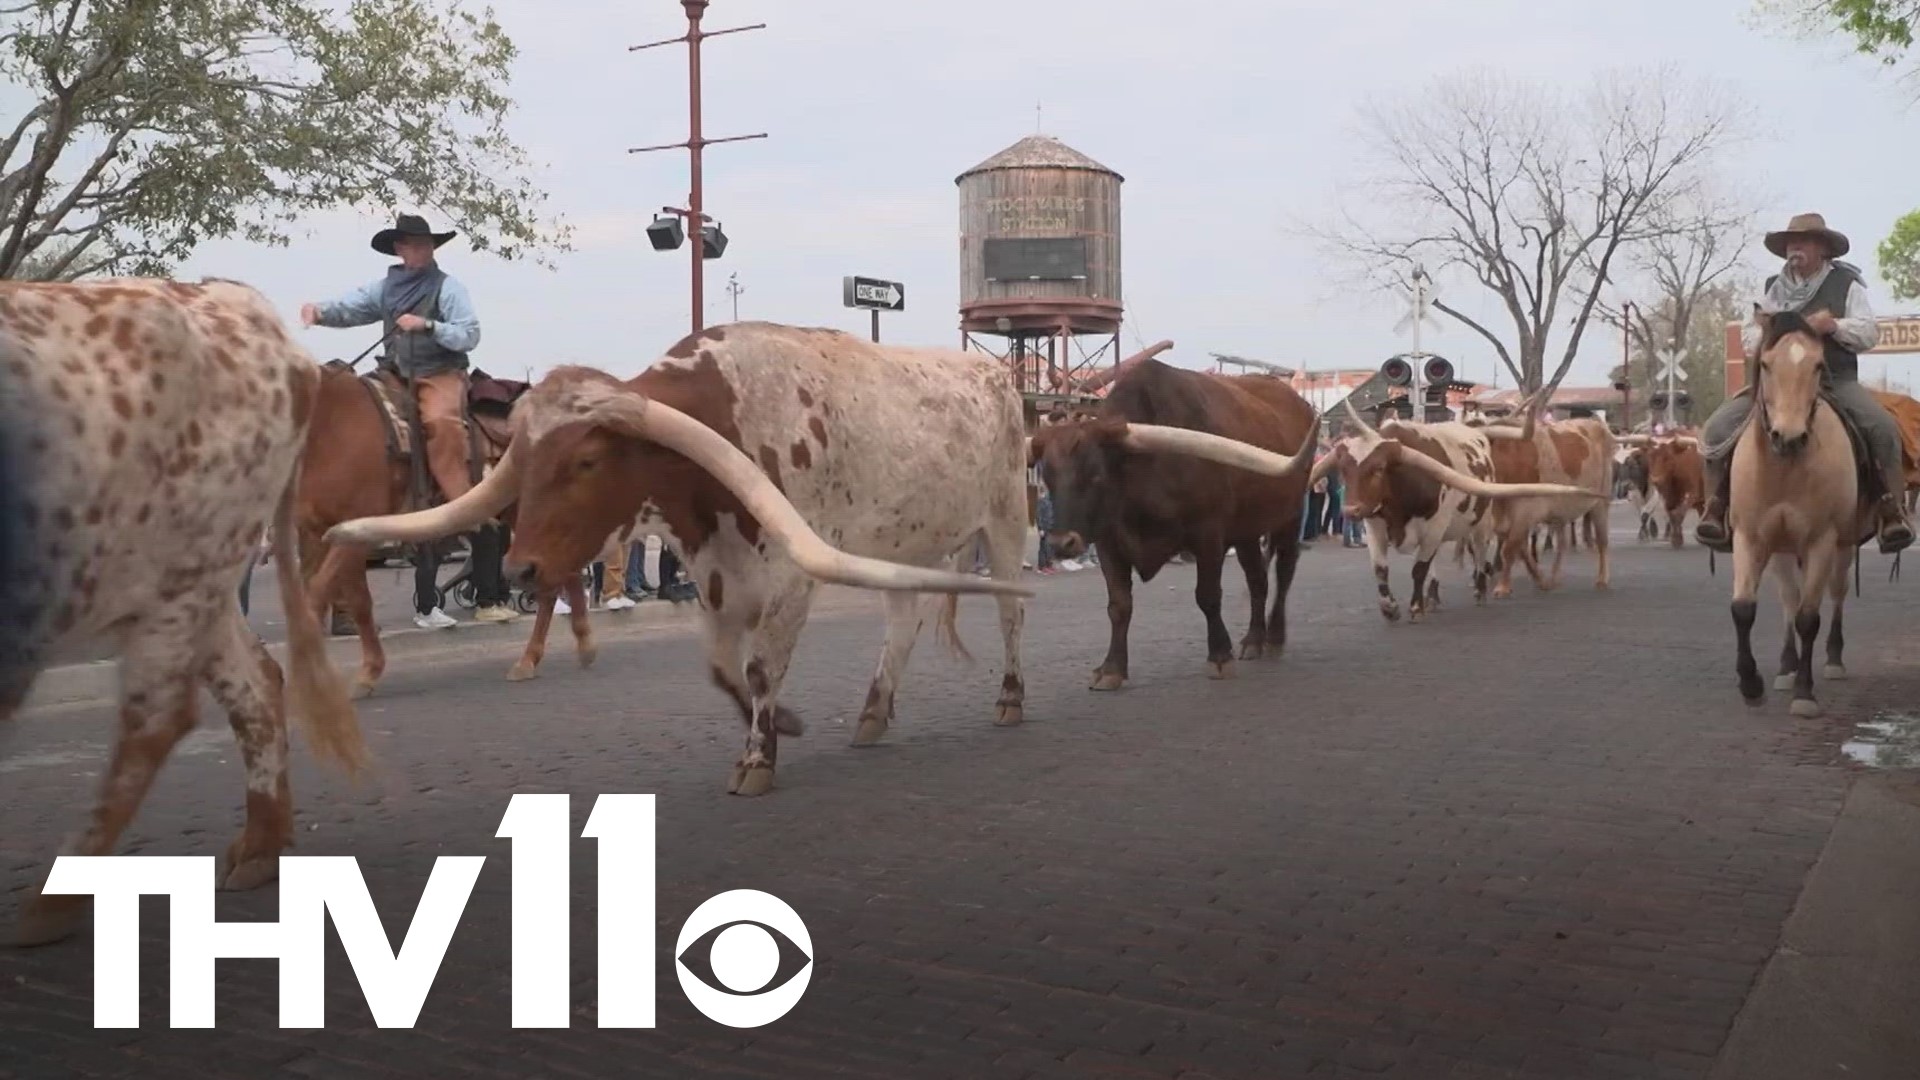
(1543, 839)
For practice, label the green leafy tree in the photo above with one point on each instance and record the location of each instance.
(156, 125)
(1900, 258)
(1879, 28)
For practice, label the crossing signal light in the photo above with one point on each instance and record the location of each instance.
(1397, 372)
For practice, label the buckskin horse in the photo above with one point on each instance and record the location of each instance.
(1798, 505)
(359, 463)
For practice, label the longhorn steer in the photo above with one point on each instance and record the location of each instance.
(1676, 476)
(1577, 453)
(154, 428)
(1632, 464)
(1173, 462)
(1419, 486)
(904, 454)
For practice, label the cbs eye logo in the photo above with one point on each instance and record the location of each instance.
(744, 958)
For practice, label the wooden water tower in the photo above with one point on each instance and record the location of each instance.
(1040, 265)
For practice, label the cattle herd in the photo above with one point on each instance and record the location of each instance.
(162, 426)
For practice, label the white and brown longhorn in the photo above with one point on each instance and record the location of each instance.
(773, 458)
(1418, 486)
(155, 427)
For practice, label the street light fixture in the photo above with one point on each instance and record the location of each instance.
(666, 233)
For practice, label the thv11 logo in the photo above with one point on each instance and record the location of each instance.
(756, 952)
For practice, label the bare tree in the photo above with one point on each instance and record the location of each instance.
(1693, 243)
(1532, 193)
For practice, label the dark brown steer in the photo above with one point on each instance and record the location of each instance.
(1174, 462)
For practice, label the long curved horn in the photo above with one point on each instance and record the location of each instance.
(494, 493)
(1201, 444)
(722, 460)
(1687, 440)
(1453, 478)
(1347, 404)
(1633, 439)
(1324, 466)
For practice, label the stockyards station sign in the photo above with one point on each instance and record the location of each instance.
(1036, 213)
(1900, 334)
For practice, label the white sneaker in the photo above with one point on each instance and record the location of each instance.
(620, 603)
(1071, 564)
(561, 607)
(434, 620)
(498, 613)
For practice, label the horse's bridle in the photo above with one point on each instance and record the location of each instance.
(1760, 398)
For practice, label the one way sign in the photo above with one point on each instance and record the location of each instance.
(873, 294)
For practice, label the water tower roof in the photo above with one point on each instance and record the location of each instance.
(1039, 152)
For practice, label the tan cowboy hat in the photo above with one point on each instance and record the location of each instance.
(408, 225)
(1808, 225)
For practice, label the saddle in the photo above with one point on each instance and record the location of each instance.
(486, 410)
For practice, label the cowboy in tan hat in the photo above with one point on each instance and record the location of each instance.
(1831, 297)
(430, 327)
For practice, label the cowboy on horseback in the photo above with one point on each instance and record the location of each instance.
(1831, 297)
(430, 328)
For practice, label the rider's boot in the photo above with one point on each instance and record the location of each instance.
(1895, 533)
(1712, 531)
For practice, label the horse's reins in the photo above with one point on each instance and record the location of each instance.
(355, 362)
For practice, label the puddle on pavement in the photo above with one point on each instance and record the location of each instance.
(1891, 740)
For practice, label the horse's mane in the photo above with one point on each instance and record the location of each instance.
(1781, 324)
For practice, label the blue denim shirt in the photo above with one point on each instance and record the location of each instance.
(457, 329)
(1043, 513)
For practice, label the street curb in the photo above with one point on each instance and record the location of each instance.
(1839, 994)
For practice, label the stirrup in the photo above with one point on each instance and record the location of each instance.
(1714, 535)
(1901, 536)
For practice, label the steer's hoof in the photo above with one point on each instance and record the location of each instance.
(46, 919)
(870, 730)
(1805, 708)
(1834, 673)
(523, 671)
(361, 688)
(1391, 612)
(1106, 680)
(787, 722)
(1219, 669)
(251, 873)
(587, 654)
(751, 780)
(1253, 650)
(1009, 715)
(1783, 681)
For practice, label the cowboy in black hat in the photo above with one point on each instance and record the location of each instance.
(1831, 297)
(430, 327)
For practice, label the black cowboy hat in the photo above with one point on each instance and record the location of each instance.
(408, 225)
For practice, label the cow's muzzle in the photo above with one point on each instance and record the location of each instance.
(1067, 545)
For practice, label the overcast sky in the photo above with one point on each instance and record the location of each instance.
(1227, 119)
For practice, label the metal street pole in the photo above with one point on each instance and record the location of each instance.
(693, 214)
(876, 324)
(1626, 366)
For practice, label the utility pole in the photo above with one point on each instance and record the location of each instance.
(734, 289)
(1626, 366)
(1671, 358)
(692, 213)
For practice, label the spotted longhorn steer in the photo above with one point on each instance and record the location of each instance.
(1172, 462)
(1631, 462)
(1676, 478)
(892, 453)
(1418, 486)
(1577, 453)
(155, 427)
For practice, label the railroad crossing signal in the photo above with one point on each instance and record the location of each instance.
(1670, 369)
